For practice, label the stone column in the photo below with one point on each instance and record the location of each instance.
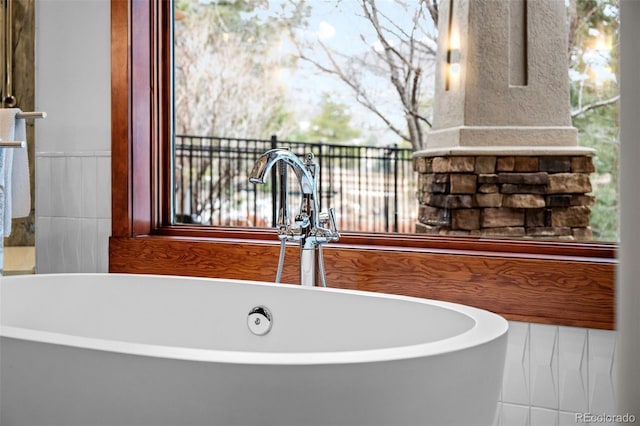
(503, 158)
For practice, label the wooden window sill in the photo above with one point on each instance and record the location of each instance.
(563, 285)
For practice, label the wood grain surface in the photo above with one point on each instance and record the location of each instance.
(578, 293)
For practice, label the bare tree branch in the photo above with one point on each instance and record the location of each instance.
(404, 50)
(408, 86)
(432, 7)
(594, 105)
(360, 92)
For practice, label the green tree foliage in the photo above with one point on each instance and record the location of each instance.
(593, 67)
(332, 124)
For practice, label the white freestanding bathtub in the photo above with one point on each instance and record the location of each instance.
(141, 350)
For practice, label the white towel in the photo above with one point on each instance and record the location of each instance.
(15, 169)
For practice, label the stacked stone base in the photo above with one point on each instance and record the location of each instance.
(543, 197)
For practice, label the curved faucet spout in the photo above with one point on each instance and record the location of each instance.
(310, 228)
(266, 161)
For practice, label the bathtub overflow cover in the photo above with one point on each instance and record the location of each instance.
(259, 320)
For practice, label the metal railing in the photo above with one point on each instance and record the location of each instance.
(372, 189)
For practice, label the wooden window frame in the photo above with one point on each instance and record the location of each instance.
(551, 282)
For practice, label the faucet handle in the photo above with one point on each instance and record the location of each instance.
(330, 224)
(301, 221)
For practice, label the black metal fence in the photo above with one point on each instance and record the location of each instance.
(371, 188)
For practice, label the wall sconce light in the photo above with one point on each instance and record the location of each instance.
(453, 66)
(453, 60)
(453, 50)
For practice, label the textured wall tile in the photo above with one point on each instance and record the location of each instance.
(573, 369)
(43, 186)
(57, 185)
(568, 419)
(515, 385)
(104, 232)
(56, 238)
(544, 365)
(90, 190)
(74, 190)
(544, 417)
(72, 185)
(515, 415)
(57, 245)
(52, 254)
(43, 226)
(72, 244)
(601, 386)
(103, 186)
(498, 420)
(89, 245)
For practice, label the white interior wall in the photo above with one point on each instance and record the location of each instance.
(73, 215)
(73, 152)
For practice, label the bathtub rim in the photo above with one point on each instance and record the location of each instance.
(487, 328)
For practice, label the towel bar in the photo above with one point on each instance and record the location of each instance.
(28, 115)
(25, 115)
(13, 144)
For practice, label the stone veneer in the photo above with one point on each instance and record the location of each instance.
(535, 196)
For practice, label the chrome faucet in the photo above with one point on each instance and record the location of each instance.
(310, 227)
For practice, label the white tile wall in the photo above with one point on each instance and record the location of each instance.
(544, 365)
(573, 365)
(515, 386)
(73, 144)
(73, 211)
(553, 373)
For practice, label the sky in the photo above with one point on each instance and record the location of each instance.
(339, 24)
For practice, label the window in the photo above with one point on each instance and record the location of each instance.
(247, 71)
(249, 77)
(549, 282)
